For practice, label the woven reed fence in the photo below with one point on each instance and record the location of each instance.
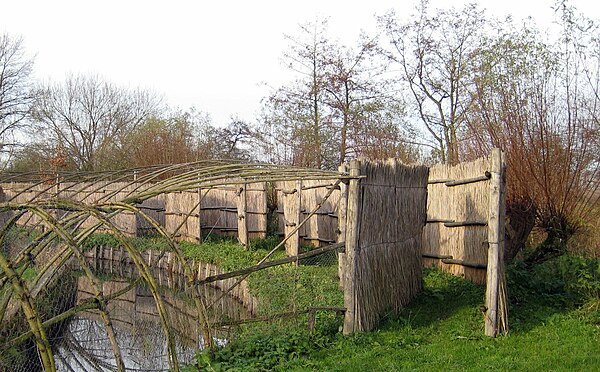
(377, 212)
(381, 268)
(237, 210)
(322, 228)
(21, 192)
(464, 234)
(84, 192)
(71, 210)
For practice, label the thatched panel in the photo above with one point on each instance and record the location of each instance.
(310, 197)
(182, 215)
(101, 192)
(278, 186)
(155, 209)
(256, 209)
(218, 208)
(462, 203)
(291, 198)
(125, 221)
(385, 263)
(22, 193)
(320, 229)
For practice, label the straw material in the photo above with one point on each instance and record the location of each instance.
(181, 215)
(386, 263)
(383, 216)
(69, 207)
(256, 209)
(461, 203)
(321, 228)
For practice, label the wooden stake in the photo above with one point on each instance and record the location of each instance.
(341, 233)
(496, 243)
(242, 223)
(352, 235)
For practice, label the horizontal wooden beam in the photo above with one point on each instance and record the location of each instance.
(435, 255)
(465, 181)
(474, 265)
(439, 220)
(465, 223)
(450, 182)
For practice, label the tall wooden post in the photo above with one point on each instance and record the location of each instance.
(353, 213)
(242, 206)
(200, 214)
(341, 231)
(495, 242)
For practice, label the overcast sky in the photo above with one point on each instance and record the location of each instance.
(213, 55)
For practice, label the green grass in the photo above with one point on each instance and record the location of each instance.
(443, 330)
(555, 325)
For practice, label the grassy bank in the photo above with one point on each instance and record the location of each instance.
(279, 289)
(554, 316)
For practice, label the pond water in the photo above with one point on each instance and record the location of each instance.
(82, 343)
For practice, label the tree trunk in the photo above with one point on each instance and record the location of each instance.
(559, 231)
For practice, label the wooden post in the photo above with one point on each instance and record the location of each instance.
(57, 185)
(495, 241)
(341, 232)
(242, 223)
(200, 197)
(292, 195)
(353, 213)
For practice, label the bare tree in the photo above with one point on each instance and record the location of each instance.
(234, 140)
(87, 118)
(436, 55)
(340, 96)
(294, 113)
(361, 101)
(16, 92)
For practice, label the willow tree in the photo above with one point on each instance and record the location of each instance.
(538, 101)
(294, 115)
(341, 104)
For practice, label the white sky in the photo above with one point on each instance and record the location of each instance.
(212, 55)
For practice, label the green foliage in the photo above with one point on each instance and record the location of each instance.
(223, 252)
(101, 240)
(19, 236)
(265, 351)
(442, 329)
(566, 280)
(265, 244)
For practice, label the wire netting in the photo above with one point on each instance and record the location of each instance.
(280, 296)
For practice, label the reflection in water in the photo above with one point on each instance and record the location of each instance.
(84, 346)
